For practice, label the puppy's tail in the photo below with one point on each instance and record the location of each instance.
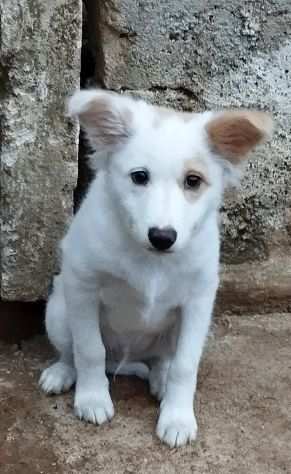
(139, 369)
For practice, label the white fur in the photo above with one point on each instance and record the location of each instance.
(118, 301)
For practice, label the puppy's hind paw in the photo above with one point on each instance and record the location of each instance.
(57, 378)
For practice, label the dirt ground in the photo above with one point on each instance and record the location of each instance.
(243, 407)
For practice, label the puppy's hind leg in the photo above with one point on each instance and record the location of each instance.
(158, 377)
(60, 376)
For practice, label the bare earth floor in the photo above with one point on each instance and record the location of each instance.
(243, 407)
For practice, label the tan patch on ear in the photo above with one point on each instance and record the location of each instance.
(105, 124)
(234, 134)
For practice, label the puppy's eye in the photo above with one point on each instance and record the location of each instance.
(140, 177)
(192, 181)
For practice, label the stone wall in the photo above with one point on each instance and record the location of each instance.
(190, 54)
(39, 66)
(198, 55)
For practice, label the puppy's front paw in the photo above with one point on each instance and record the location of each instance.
(57, 378)
(94, 407)
(176, 425)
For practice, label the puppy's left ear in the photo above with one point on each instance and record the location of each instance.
(232, 135)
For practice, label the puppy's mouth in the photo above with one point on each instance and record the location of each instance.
(160, 252)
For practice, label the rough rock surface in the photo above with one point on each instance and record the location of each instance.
(198, 55)
(242, 407)
(39, 66)
(194, 55)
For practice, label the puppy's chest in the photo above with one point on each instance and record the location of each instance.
(146, 299)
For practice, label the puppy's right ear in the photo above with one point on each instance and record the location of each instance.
(106, 118)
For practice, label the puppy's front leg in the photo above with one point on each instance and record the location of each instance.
(92, 398)
(177, 424)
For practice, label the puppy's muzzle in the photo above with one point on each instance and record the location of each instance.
(162, 239)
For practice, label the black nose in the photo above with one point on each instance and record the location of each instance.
(162, 239)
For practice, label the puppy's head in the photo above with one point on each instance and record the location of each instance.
(166, 170)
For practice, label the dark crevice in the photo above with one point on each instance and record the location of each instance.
(157, 88)
(128, 34)
(181, 89)
(85, 175)
(92, 34)
(92, 73)
(5, 87)
(21, 320)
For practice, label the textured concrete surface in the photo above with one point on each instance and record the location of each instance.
(250, 287)
(193, 55)
(39, 67)
(198, 55)
(242, 405)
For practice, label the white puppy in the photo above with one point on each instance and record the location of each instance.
(140, 260)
